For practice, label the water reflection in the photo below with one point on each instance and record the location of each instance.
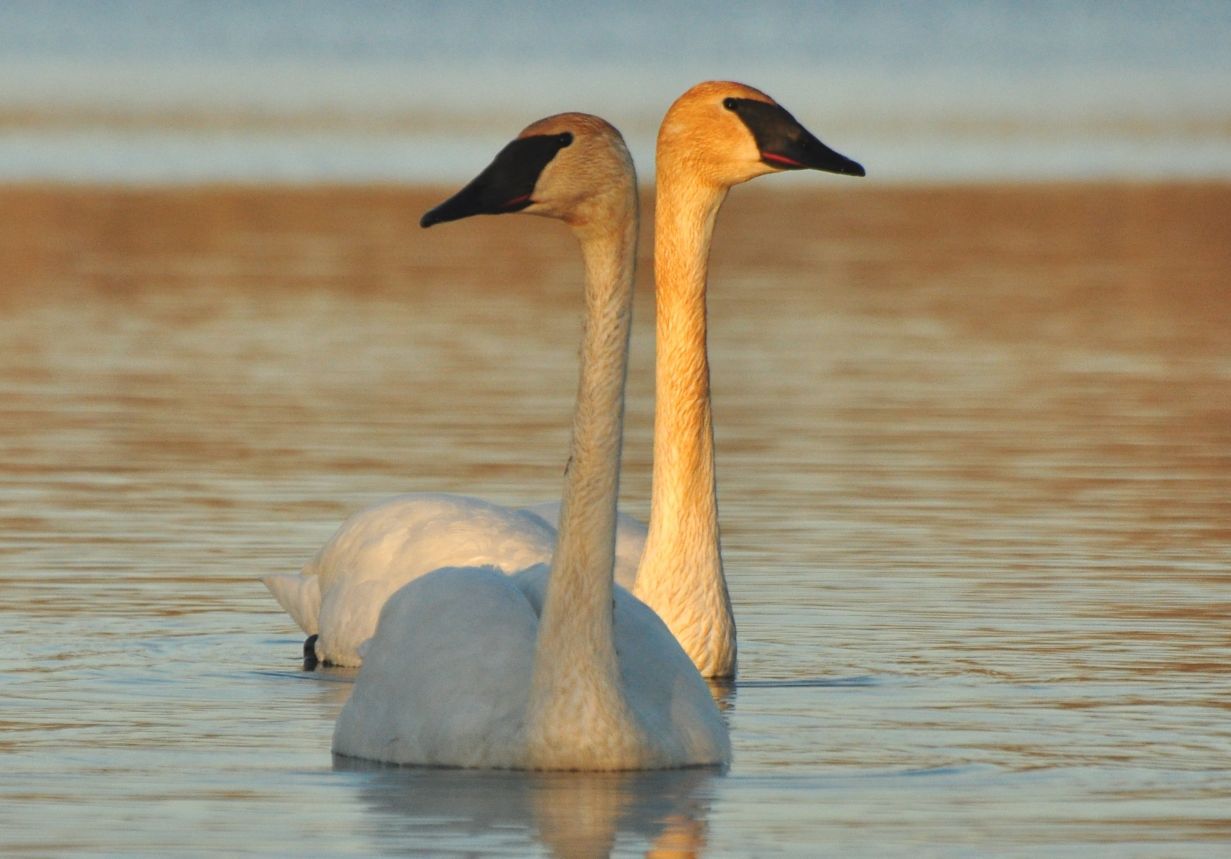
(427, 811)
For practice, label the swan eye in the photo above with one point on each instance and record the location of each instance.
(565, 138)
(728, 103)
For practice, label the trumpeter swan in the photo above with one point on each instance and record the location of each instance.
(716, 135)
(548, 668)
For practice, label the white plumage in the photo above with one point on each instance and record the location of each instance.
(434, 692)
(553, 667)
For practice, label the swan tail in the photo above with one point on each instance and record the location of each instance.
(299, 595)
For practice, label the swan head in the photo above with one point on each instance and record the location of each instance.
(571, 166)
(725, 133)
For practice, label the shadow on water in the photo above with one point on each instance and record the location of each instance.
(724, 689)
(430, 810)
(339, 676)
(807, 683)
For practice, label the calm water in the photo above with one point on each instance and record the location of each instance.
(974, 456)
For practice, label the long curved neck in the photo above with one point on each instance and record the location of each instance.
(576, 673)
(681, 575)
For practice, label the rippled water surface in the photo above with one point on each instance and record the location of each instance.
(975, 473)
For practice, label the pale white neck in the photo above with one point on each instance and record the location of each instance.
(681, 574)
(576, 673)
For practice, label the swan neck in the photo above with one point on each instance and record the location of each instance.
(683, 477)
(681, 574)
(576, 670)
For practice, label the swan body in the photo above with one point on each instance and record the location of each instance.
(444, 717)
(339, 593)
(554, 667)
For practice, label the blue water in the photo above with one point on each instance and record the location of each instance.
(147, 91)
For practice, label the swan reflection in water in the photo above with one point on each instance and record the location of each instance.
(571, 814)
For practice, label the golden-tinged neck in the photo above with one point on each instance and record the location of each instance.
(681, 574)
(683, 435)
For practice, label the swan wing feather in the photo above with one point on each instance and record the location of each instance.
(299, 596)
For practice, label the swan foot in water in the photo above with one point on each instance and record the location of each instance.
(309, 653)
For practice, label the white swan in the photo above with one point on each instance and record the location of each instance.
(704, 148)
(471, 667)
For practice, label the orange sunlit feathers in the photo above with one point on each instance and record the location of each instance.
(717, 91)
(712, 140)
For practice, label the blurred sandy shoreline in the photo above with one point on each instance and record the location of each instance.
(368, 236)
(1106, 260)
